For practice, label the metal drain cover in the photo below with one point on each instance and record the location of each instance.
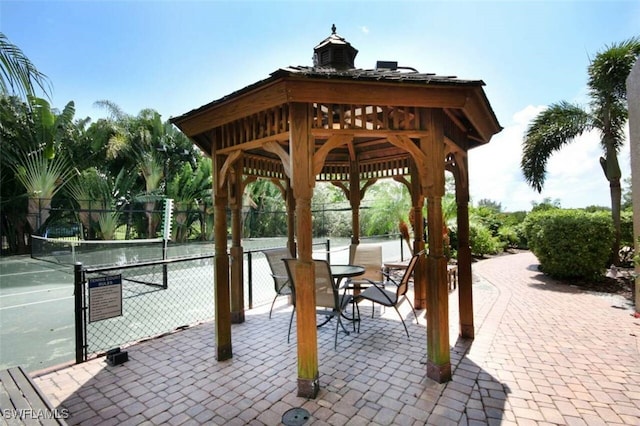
(295, 417)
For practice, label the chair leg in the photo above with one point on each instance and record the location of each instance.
(290, 323)
(272, 303)
(412, 309)
(402, 319)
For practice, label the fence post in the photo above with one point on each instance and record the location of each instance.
(250, 279)
(328, 250)
(78, 292)
(401, 249)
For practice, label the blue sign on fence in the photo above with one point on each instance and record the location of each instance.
(105, 297)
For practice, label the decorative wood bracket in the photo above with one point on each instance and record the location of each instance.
(456, 165)
(321, 154)
(275, 148)
(404, 142)
(227, 167)
(280, 186)
(404, 181)
(366, 186)
(343, 187)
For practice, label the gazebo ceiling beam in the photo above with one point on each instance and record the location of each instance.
(256, 144)
(232, 108)
(287, 90)
(364, 133)
(375, 93)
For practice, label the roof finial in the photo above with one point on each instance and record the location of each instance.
(333, 29)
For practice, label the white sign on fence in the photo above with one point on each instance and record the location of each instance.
(105, 297)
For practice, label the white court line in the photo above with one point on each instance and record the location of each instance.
(31, 272)
(34, 291)
(35, 303)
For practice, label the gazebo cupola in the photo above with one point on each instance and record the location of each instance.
(334, 52)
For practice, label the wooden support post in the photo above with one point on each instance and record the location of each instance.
(354, 201)
(290, 202)
(237, 253)
(301, 150)
(438, 352)
(221, 267)
(420, 273)
(465, 292)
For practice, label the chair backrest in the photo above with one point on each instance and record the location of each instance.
(368, 256)
(404, 282)
(278, 270)
(288, 265)
(326, 292)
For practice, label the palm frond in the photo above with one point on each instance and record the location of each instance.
(609, 69)
(608, 73)
(42, 178)
(18, 75)
(553, 128)
(112, 108)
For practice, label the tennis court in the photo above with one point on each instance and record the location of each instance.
(36, 313)
(37, 301)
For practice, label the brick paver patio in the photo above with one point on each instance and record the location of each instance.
(543, 354)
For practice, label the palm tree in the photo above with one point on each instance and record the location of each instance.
(18, 75)
(42, 179)
(30, 152)
(562, 122)
(187, 188)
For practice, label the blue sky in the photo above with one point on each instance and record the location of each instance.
(174, 56)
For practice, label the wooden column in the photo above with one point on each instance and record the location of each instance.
(465, 292)
(354, 201)
(301, 150)
(221, 265)
(420, 273)
(291, 218)
(237, 253)
(438, 352)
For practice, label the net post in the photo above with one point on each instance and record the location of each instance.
(166, 236)
(78, 293)
(328, 250)
(165, 276)
(250, 279)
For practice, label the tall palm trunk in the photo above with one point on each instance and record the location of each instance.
(612, 172)
(151, 223)
(616, 197)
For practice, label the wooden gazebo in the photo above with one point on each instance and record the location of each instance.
(331, 122)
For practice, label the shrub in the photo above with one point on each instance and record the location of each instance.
(481, 240)
(508, 236)
(570, 243)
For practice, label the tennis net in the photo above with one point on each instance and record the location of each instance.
(68, 251)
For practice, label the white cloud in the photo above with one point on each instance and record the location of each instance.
(574, 175)
(364, 29)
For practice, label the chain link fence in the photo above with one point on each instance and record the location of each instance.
(120, 305)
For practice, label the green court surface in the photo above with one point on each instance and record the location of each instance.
(36, 313)
(37, 328)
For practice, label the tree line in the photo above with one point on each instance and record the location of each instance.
(111, 174)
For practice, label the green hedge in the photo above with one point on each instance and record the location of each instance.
(570, 243)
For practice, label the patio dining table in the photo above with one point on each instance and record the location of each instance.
(340, 272)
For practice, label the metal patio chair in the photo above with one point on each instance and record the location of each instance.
(329, 302)
(281, 281)
(379, 294)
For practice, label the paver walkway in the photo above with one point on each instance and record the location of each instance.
(543, 354)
